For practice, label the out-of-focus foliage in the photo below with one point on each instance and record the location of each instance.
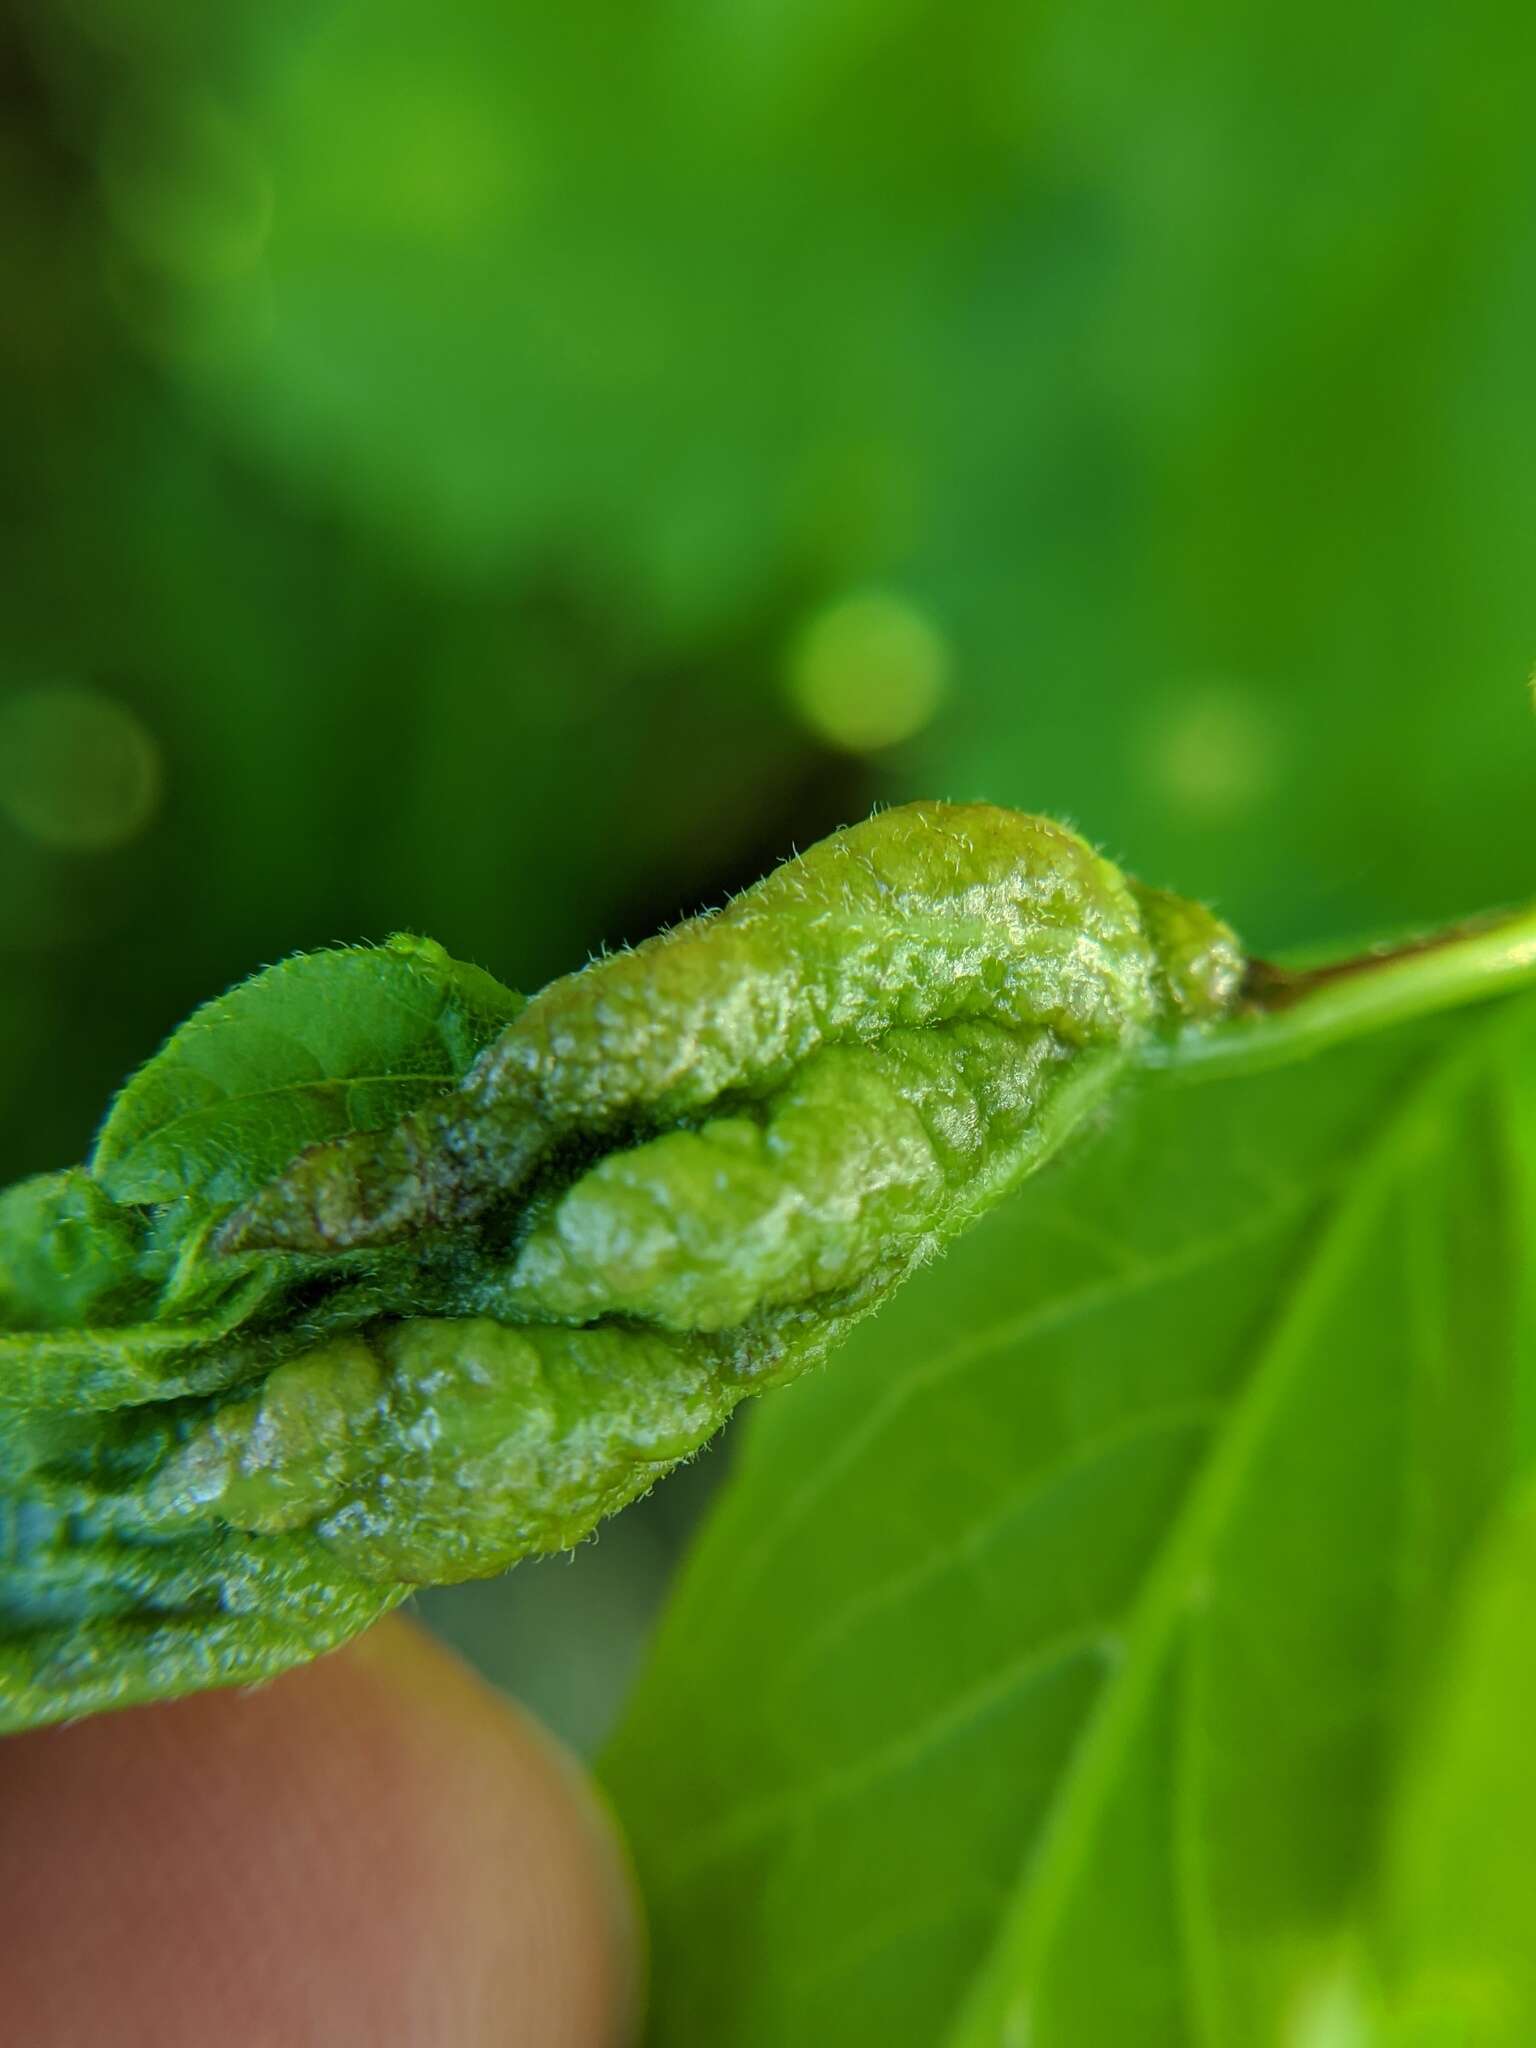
(512, 472)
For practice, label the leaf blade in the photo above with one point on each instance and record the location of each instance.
(318, 1046)
(724, 1901)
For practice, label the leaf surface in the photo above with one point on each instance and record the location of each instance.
(1459, 1913)
(316, 1047)
(1041, 1677)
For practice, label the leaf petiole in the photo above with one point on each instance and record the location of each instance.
(1288, 1013)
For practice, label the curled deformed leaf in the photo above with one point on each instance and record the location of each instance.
(379, 1276)
(928, 916)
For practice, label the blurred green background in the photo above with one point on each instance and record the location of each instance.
(513, 472)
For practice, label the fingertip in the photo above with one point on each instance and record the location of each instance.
(374, 1849)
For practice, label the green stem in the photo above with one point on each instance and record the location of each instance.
(1288, 1013)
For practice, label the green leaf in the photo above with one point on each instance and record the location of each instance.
(1040, 1676)
(68, 1256)
(1459, 1915)
(316, 1047)
(675, 1178)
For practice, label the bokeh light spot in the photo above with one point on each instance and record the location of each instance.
(78, 771)
(1215, 752)
(1331, 2013)
(867, 672)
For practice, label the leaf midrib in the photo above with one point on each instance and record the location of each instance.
(744, 1825)
(1091, 1299)
(1009, 1972)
